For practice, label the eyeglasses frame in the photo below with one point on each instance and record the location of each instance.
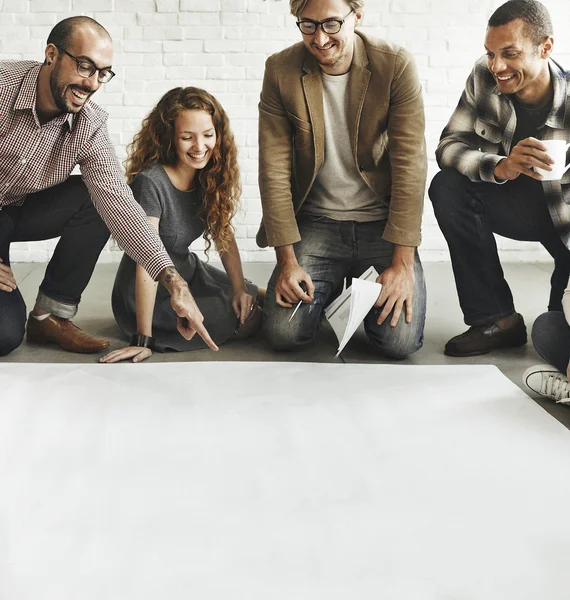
(321, 23)
(91, 66)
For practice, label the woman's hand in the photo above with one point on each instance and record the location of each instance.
(137, 353)
(242, 304)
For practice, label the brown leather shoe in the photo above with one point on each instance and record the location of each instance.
(64, 333)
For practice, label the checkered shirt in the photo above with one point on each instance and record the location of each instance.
(34, 157)
(480, 133)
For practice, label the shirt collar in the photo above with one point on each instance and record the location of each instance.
(560, 113)
(559, 116)
(26, 99)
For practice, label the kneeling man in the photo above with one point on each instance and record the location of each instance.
(342, 176)
(48, 125)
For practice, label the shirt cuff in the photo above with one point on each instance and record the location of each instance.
(487, 168)
(157, 263)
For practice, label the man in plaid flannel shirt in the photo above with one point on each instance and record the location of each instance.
(48, 125)
(515, 97)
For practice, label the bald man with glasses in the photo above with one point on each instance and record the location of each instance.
(342, 169)
(48, 126)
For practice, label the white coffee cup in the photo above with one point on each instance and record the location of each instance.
(556, 149)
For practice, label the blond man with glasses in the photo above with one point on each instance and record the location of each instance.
(342, 173)
(48, 126)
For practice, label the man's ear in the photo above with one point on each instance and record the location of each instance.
(357, 18)
(546, 47)
(50, 54)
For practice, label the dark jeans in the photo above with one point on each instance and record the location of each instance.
(469, 214)
(551, 339)
(331, 251)
(64, 210)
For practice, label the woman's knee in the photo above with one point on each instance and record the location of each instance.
(547, 327)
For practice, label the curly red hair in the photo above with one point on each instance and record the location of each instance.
(219, 180)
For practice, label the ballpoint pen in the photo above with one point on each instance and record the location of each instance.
(304, 288)
(296, 309)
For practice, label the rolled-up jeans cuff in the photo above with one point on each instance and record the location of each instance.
(483, 322)
(55, 307)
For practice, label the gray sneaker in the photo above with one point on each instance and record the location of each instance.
(548, 382)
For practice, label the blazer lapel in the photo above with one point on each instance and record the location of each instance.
(358, 86)
(313, 89)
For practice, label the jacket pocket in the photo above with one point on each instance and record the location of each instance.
(488, 131)
(299, 123)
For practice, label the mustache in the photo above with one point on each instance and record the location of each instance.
(82, 88)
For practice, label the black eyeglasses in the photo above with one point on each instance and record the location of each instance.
(329, 26)
(88, 69)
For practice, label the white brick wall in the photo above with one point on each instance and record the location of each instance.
(221, 45)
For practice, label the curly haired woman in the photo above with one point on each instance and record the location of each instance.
(182, 167)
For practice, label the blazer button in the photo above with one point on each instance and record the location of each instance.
(361, 168)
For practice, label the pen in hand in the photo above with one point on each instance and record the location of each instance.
(304, 288)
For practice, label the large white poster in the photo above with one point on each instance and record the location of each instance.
(265, 481)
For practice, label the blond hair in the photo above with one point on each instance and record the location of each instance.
(298, 6)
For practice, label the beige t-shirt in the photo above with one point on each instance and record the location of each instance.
(339, 191)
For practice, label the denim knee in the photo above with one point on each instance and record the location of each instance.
(396, 348)
(11, 338)
(12, 320)
(395, 342)
(404, 348)
(283, 336)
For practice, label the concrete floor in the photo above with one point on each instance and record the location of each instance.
(529, 283)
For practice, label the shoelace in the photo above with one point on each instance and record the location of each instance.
(556, 386)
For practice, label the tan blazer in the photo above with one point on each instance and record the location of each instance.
(387, 123)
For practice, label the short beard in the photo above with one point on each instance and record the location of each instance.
(57, 93)
(331, 62)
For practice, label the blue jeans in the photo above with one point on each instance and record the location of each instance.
(64, 210)
(469, 214)
(330, 252)
(551, 339)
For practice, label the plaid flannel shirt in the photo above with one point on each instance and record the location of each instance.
(34, 157)
(480, 133)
